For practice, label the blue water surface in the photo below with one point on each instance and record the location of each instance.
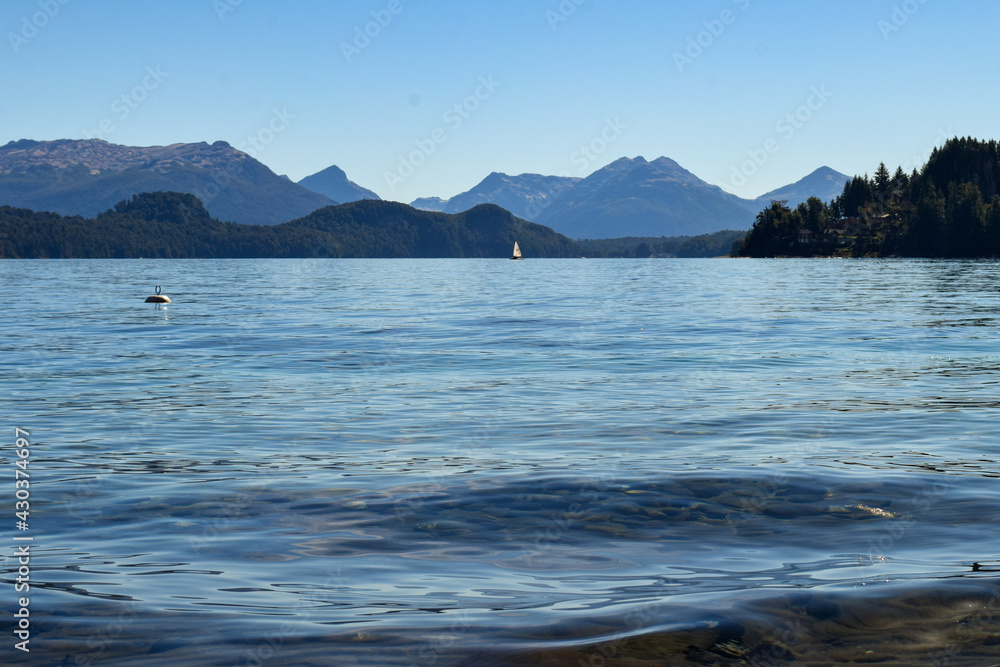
(485, 462)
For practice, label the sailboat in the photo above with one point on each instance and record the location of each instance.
(517, 252)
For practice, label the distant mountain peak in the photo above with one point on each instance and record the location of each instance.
(20, 144)
(105, 156)
(333, 183)
(665, 162)
(635, 197)
(332, 170)
(824, 183)
(435, 204)
(87, 176)
(631, 196)
(524, 195)
(625, 163)
(494, 179)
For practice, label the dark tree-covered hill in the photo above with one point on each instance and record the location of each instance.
(176, 225)
(950, 208)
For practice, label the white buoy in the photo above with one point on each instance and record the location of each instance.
(158, 298)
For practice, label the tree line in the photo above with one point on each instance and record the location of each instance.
(176, 225)
(717, 244)
(949, 208)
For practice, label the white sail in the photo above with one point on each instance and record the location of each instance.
(517, 251)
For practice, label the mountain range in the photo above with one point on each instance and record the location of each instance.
(629, 197)
(87, 177)
(525, 196)
(633, 197)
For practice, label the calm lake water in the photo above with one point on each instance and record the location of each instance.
(485, 462)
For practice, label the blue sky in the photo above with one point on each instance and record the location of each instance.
(425, 98)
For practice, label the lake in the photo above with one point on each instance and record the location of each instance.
(486, 462)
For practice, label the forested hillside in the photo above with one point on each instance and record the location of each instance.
(950, 208)
(170, 224)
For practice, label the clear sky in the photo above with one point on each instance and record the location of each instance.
(747, 94)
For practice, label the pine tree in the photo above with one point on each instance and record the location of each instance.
(882, 179)
(882, 186)
(899, 181)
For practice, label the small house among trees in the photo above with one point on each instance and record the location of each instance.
(950, 208)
